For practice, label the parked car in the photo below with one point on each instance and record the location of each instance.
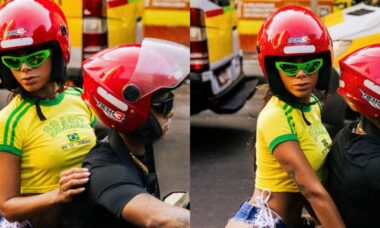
(97, 24)
(217, 81)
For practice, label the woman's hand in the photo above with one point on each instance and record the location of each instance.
(70, 182)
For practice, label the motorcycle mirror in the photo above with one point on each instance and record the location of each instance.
(179, 199)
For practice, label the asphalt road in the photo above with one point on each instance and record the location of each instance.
(221, 163)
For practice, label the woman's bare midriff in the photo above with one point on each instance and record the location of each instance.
(287, 205)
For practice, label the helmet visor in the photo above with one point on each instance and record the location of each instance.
(161, 64)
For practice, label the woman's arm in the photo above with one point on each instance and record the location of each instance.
(291, 157)
(15, 207)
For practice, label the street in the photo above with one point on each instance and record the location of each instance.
(221, 163)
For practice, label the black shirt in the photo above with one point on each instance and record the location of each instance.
(354, 175)
(115, 179)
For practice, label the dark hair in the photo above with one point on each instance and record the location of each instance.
(57, 73)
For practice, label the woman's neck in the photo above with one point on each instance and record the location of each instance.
(304, 100)
(48, 92)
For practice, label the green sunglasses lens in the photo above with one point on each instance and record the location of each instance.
(291, 69)
(312, 66)
(36, 60)
(33, 60)
(288, 68)
(11, 62)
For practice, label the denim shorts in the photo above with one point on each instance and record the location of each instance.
(251, 215)
(6, 224)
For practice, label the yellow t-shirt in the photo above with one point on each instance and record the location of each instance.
(279, 122)
(47, 147)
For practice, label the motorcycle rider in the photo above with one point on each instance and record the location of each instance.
(129, 88)
(353, 162)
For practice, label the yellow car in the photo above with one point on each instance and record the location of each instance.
(167, 19)
(353, 28)
(217, 81)
(95, 25)
(341, 4)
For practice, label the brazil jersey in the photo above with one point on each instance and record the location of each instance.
(48, 147)
(279, 122)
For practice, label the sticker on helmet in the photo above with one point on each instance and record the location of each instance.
(109, 112)
(112, 99)
(299, 49)
(299, 40)
(15, 32)
(374, 102)
(342, 84)
(16, 42)
(372, 86)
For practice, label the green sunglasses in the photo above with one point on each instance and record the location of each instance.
(291, 69)
(34, 59)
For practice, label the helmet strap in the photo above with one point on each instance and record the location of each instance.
(149, 131)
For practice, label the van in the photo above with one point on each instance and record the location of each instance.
(168, 20)
(217, 81)
(97, 24)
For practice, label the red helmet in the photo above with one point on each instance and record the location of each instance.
(25, 23)
(119, 82)
(29, 24)
(360, 80)
(294, 31)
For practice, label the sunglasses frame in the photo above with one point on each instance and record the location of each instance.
(164, 102)
(299, 66)
(24, 59)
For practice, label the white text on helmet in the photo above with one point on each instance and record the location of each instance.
(109, 112)
(374, 102)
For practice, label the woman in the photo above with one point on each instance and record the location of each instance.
(46, 128)
(295, 52)
(353, 163)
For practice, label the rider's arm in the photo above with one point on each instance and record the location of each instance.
(291, 157)
(14, 206)
(117, 185)
(145, 210)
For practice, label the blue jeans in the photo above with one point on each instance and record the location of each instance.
(6, 224)
(256, 217)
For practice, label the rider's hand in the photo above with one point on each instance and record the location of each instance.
(70, 183)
